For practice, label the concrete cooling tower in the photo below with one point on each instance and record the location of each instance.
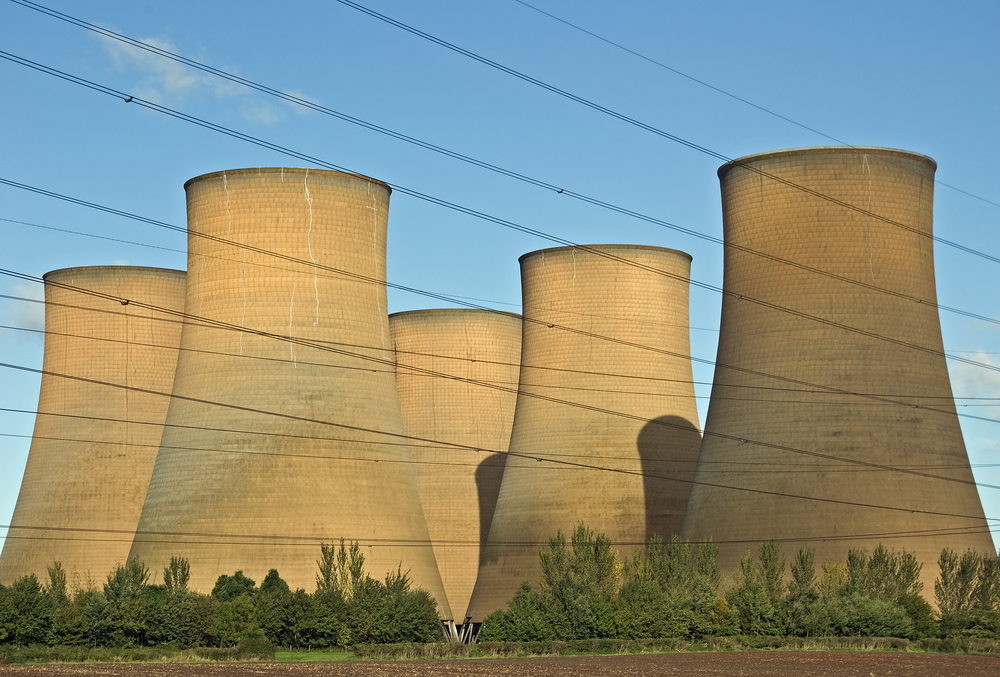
(287, 428)
(832, 422)
(605, 385)
(447, 359)
(96, 436)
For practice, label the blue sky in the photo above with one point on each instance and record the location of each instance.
(910, 75)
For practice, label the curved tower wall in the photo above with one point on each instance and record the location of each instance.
(94, 445)
(458, 486)
(571, 299)
(894, 427)
(279, 446)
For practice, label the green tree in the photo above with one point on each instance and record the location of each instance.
(524, 620)
(273, 601)
(803, 602)
(340, 569)
(888, 576)
(25, 613)
(176, 574)
(229, 587)
(126, 605)
(752, 597)
(967, 592)
(411, 615)
(581, 581)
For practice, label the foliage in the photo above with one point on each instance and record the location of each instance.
(341, 570)
(176, 574)
(25, 616)
(967, 592)
(756, 595)
(668, 591)
(124, 613)
(230, 587)
(586, 592)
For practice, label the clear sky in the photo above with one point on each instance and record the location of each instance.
(918, 76)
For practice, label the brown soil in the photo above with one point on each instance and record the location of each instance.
(730, 664)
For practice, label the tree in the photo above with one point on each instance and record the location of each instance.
(272, 602)
(582, 580)
(756, 609)
(176, 574)
(341, 569)
(967, 592)
(126, 611)
(411, 615)
(25, 613)
(228, 588)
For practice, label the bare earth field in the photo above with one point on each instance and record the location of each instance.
(748, 663)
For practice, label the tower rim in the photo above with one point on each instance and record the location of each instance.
(431, 312)
(603, 247)
(76, 269)
(825, 150)
(273, 170)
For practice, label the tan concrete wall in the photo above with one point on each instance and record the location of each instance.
(262, 482)
(458, 487)
(86, 477)
(768, 216)
(643, 372)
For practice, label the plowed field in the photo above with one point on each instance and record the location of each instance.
(730, 664)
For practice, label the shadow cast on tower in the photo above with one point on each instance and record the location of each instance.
(668, 450)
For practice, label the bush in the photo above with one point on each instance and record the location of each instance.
(230, 587)
(755, 599)
(25, 613)
(254, 645)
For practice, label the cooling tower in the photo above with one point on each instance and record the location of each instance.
(457, 378)
(605, 428)
(287, 430)
(94, 445)
(832, 422)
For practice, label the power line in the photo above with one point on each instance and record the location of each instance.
(486, 217)
(584, 372)
(99, 237)
(944, 399)
(518, 391)
(274, 540)
(493, 219)
(804, 468)
(583, 248)
(551, 325)
(622, 47)
(650, 128)
(525, 319)
(510, 173)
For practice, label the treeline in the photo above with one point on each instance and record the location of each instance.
(347, 607)
(675, 590)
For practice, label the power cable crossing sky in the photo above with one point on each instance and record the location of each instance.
(418, 93)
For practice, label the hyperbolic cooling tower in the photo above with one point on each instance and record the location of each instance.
(288, 431)
(605, 385)
(831, 405)
(96, 432)
(457, 377)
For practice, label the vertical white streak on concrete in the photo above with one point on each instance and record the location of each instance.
(573, 251)
(291, 346)
(243, 284)
(282, 174)
(309, 201)
(868, 216)
(201, 296)
(375, 259)
(229, 216)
